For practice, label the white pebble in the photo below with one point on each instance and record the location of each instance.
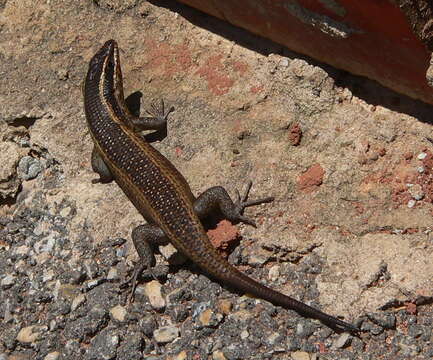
(411, 203)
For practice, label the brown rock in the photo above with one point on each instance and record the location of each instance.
(311, 179)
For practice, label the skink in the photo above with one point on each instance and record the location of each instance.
(157, 189)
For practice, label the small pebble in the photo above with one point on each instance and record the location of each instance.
(225, 306)
(274, 273)
(245, 334)
(273, 339)
(52, 356)
(209, 318)
(153, 292)
(103, 345)
(181, 356)
(293, 344)
(166, 334)
(93, 283)
(48, 275)
(342, 341)
(304, 329)
(7, 315)
(118, 313)
(52, 325)
(170, 253)
(416, 192)
(420, 169)
(218, 355)
(62, 74)
(45, 245)
(257, 259)
(178, 313)
(31, 333)
(121, 252)
(7, 281)
(91, 268)
(29, 168)
(411, 319)
(284, 62)
(422, 156)
(22, 250)
(78, 300)
(77, 275)
(65, 211)
(20, 267)
(300, 355)
(241, 315)
(112, 274)
(411, 203)
(198, 308)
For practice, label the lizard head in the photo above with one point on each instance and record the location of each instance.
(105, 65)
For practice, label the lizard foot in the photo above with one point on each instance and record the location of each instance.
(242, 202)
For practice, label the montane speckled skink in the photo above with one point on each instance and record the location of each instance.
(158, 191)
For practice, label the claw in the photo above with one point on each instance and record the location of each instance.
(158, 110)
(258, 201)
(139, 267)
(238, 197)
(247, 190)
(242, 202)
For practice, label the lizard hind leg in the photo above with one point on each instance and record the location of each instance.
(217, 198)
(145, 238)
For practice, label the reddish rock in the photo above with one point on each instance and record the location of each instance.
(295, 134)
(224, 236)
(388, 41)
(311, 179)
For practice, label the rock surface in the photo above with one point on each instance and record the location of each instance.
(339, 235)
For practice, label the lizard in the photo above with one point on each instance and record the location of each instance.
(159, 191)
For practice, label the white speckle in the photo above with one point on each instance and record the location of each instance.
(417, 192)
(284, 62)
(411, 203)
(245, 334)
(422, 156)
(420, 169)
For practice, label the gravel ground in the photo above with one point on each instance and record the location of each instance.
(349, 163)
